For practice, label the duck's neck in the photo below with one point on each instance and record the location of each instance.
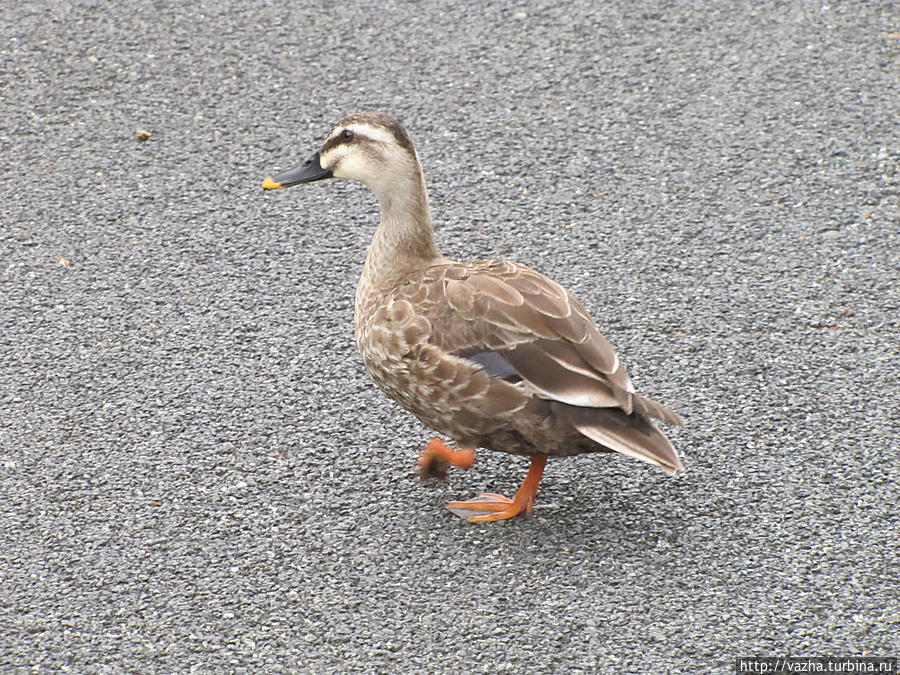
(404, 240)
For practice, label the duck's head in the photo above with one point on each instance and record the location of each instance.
(370, 147)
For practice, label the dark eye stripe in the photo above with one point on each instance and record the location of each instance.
(338, 140)
(387, 122)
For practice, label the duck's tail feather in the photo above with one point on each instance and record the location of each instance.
(650, 408)
(633, 435)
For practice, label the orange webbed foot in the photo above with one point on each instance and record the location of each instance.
(498, 507)
(487, 503)
(438, 456)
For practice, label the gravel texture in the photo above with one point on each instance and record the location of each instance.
(197, 474)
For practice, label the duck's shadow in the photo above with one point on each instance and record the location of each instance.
(611, 512)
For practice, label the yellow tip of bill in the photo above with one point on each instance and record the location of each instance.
(269, 184)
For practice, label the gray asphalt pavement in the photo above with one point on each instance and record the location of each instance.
(196, 474)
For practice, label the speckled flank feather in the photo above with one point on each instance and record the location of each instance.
(489, 353)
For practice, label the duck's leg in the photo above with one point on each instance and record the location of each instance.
(437, 456)
(500, 507)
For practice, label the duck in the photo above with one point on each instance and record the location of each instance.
(490, 354)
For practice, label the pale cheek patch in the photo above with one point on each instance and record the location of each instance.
(356, 166)
(330, 159)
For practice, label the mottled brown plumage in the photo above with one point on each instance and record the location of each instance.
(489, 353)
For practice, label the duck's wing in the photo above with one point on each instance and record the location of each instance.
(513, 320)
(518, 324)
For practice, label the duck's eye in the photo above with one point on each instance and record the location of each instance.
(346, 135)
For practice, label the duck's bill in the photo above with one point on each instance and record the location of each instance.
(307, 172)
